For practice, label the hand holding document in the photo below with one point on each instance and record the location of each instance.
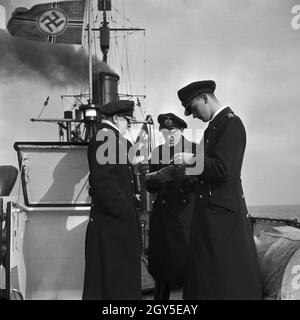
(194, 162)
(184, 158)
(173, 173)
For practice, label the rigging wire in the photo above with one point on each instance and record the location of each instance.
(144, 71)
(123, 7)
(112, 56)
(94, 40)
(83, 83)
(125, 51)
(124, 17)
(120, 55)
(128, 65)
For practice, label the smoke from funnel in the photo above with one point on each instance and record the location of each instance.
(56, 64)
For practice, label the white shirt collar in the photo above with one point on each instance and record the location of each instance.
(111, 124)
(217, 112)
(114, 126)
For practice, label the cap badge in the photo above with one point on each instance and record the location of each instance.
(168, 122)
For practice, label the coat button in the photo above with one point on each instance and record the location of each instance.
(207, 141)
(91, 219)
(181, 190)
(163, 201)
(201, 182)
(131, 181)
(184, 201)
(214, 128)
(200, 196)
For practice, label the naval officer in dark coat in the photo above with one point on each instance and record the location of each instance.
(172, 209)
(113, 243)
(222, 258)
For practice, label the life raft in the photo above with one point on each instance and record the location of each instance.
(278, 250)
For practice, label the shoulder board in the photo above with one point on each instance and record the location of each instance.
(230, 115)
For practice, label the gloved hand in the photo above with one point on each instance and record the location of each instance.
(172, 173)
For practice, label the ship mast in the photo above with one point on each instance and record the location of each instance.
(105, 5)
(89, 110)
(90, 52)
(104, 29)
(88, 113)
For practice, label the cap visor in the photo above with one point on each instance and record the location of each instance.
(187, 112)
(130, 118)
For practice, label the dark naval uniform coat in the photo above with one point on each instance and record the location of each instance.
(222, 258)
(113, 246)
(170, 221)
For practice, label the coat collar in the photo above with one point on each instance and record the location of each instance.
(219, 117)
(110, 125)
(217, 112)
(118, 134)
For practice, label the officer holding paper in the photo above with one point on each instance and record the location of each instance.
(222, 258)
(172, 209)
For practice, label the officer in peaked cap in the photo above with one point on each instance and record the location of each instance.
(113, 227)
(194, 89)
(222, 248)
(170, 121)
(123, 108)
(172, 209)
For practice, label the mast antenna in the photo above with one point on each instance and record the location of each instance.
(105, 5)
(90, 52)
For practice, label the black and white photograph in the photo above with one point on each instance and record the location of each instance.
(150, 151)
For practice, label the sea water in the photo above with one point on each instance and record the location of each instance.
(276, 211)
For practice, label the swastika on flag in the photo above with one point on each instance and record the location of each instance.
(53, 22)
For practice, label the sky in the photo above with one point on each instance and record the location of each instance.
(248, 47)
